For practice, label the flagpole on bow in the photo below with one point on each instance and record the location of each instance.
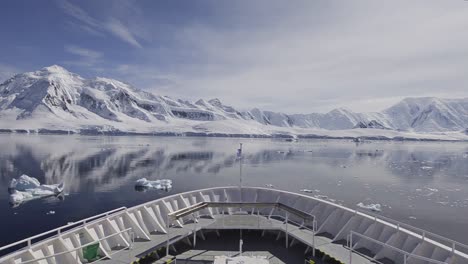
(239, 156)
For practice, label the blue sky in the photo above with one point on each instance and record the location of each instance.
(301, 56)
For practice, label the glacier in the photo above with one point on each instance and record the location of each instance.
(54, 100)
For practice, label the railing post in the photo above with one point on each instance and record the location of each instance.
(29, 243)
(194, 232)
(423, 235)
(314, 230)
(167, 235)
(258, 217)
(404, 259)
(350, 248)
(286, 230)
(453, 247)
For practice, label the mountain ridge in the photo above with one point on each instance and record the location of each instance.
(55, 97)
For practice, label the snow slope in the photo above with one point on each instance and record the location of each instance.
(53, 99)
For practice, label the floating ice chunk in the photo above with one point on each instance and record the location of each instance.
(372, 207)
(17, 197)
(432, 189)
(269, 185)
(412, 217)
(426, 168)
(323, 197)
(24, 182)
(50, 212)
(163, 184)
(27, 188)
(306, 190)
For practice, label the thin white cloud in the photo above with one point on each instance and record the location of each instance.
(79, 14)
(85, 57)
(119, 30)
(95, 26)
(83, 52)
(303, 57)
(312, 57)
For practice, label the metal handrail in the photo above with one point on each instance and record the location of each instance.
(299, 225)
(422, 232)
(82, 246)
(59, 229)
(405, 253)
(202, 205)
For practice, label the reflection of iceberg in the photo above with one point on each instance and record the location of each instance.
(143, 184)
(27, 188)
(372, 207)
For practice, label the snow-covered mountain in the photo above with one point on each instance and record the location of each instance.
(55, 99)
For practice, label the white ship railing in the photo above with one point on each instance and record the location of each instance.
(291, 208)
(59, 230)
(131, 234)
(406, 255)
(423, 233)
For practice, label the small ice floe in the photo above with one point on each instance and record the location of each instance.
(144, 184)
(426, 168)
(50, 212)
(27, 188)
(412, 217)
(269, 185)
(319, 196)
(307, 190)
(372, 207)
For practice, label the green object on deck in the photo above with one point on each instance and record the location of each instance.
(90, 253)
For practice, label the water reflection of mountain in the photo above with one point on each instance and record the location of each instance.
(105, 166)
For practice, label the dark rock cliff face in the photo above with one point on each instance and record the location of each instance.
(371, 124)
(194, 115)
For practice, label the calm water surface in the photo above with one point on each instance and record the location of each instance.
(421, 183)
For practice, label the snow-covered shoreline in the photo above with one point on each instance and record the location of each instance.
(354, 134)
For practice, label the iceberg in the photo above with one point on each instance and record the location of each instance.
(163, 184)
(372, 207)
(24, 182)
(27, 188)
